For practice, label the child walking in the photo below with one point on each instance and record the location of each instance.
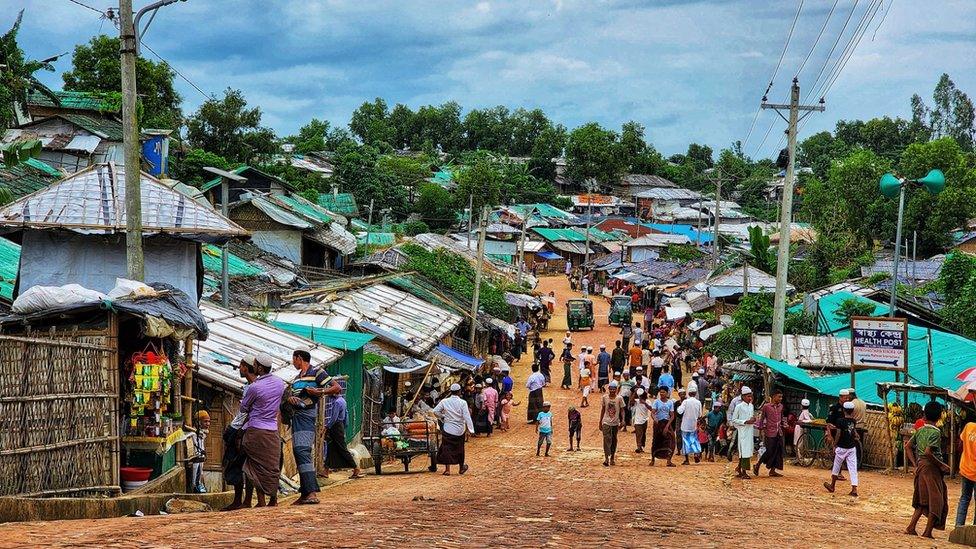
(543, 426)
(575, 427)
(506, 410)
(585, 382)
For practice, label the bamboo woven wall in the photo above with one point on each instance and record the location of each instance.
(59, 413)
(875, 448)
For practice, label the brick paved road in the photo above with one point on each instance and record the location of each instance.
(512, 498)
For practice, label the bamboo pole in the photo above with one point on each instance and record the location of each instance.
(952, 432)
(891, 443)
(188, 382)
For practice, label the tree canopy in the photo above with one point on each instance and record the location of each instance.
(228, 128)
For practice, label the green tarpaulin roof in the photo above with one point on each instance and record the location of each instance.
(27, 177)
(377, 239)
(79, 100)
(951, 354)
(303, 207)
(543, 210)
(108, 129)
(337, 339)
(236, 267)
(562, 235)
(216, 181)
(828, 305)
(342, 203)
(9, 264)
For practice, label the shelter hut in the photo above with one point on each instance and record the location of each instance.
(257, 182)
(114, 370)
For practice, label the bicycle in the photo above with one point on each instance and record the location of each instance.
(810, 448)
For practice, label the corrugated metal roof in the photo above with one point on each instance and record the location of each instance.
(93, 201)
(661, 193)
(925, 269)
(401, 318)
(808, 350)
(236, 267)
(655, 240)
(235, 335)
(574, 247)
(376, 239)
(9, 266)
(542, 210)
(102, 127)
(730, 283)
(302, 207)
(691, 232)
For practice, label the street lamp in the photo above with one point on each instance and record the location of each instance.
(892, 186)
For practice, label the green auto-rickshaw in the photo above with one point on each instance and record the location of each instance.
(621, 311)
(579, 314)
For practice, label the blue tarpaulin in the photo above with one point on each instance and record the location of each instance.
(458, 359)
(547, 255)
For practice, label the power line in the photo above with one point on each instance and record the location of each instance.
(883, 17)
(180, 74)
(834, 47)
(817, 41)
(869, 17)
(96, 10)
(782, 54)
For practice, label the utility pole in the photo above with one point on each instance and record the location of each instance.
(470, 216)
(718, 214)
(589, 221)
(521, 248)
(135, 265)
(786, 211)
(482, 227)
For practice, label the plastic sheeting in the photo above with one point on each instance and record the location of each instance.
(51, 259)
(286, 244)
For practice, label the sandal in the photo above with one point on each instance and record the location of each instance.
(464, 469)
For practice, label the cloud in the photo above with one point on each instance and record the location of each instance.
(689, 70)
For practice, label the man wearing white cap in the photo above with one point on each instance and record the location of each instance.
(730, 429)
(743, 418)
(845, 451)
(454, 412)
(611, 416)
(641, 413)
(804, 418)
(834, 414)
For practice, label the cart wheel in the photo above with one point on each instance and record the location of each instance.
(433, 463)
(378, 462)
(805, 450)
(406, 465)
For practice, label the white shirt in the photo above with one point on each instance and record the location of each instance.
(742, 413)
(646, 358)
(735, 402)
(453, 410)
(638, 335)
(691, 410)
(535, 381)
(657, 362)
(641, 413)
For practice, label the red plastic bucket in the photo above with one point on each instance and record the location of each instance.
(135, 474)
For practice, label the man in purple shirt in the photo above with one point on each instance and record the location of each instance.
(261, 443)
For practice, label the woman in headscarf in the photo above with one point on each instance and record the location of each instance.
(567, 359)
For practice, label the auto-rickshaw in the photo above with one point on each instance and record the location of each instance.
(621, 310)
(579, 314)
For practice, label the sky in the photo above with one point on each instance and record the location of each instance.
(689, 71)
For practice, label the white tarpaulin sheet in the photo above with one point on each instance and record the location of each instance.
(707, 333)
(94, 262)
(286, 244)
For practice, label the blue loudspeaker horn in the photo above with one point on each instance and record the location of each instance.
(891, 185)
(934, 181)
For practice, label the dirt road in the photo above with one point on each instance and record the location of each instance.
(512, 498)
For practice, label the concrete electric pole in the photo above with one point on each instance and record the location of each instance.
(135, 266)
(786, 211)
(482, 228)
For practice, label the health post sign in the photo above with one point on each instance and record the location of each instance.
(879, 343)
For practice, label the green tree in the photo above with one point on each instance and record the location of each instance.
(405, 172)
(957, 280)
(761, 254)
(481, 180)
(17, 78)
(189, 168)
(488, 129)
(228, 128)
(370, 123)
(593, 152)
(438, 126)
(819, 151)
(319, 135)
(527, 126)
(96, 66)
(548, 144)
(436, 206)
(403, 122)
(853, 307)
(357, 173)
(700, 156)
